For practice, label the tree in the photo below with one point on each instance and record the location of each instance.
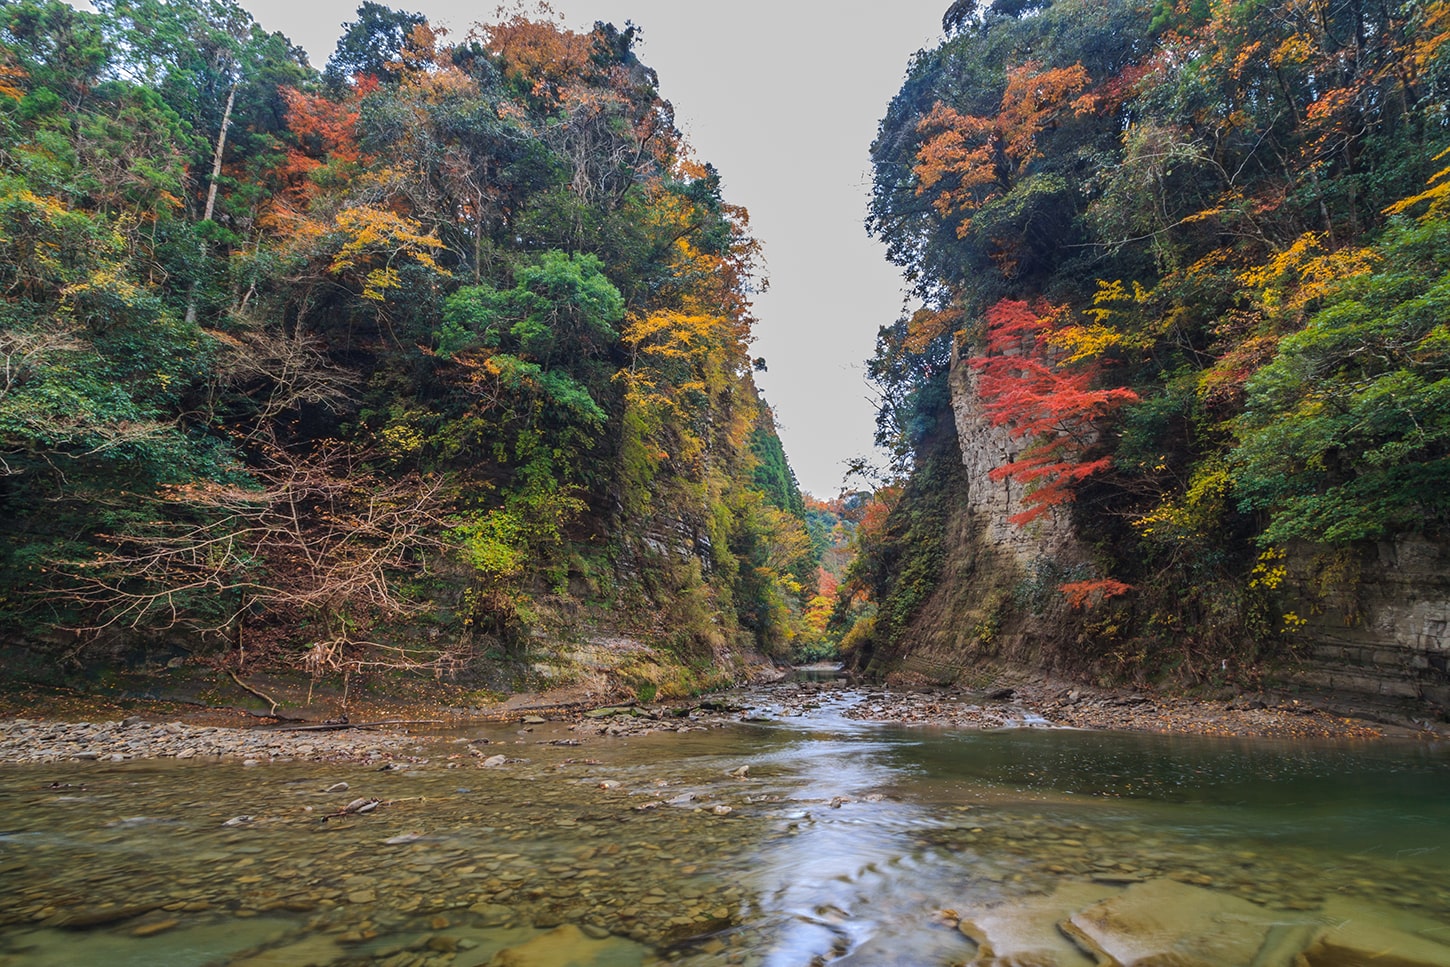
(287, 357)
(1345, 434)
(316, 538)
(1057, 407)
(371, 47)
(1199, 203)
(966, 162)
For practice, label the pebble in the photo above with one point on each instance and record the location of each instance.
(596, 886)
(29, 741)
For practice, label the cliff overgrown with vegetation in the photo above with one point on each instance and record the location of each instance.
(1192, 259)
(412, 361)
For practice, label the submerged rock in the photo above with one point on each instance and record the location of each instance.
(1025, 931)
(1358, 934)
(1166, 922)
(566, 946)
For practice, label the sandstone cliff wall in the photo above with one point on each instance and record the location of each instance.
(1377, 621)
(982, 623)
(984, 448)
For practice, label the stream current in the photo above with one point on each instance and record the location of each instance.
(841, 842)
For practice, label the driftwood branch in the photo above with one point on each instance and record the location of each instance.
(339, 726)
(271, 712)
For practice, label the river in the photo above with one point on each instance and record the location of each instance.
(781, 842)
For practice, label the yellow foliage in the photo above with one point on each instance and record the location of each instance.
(818, 613)
(1195, 517)
(1300, 274)
(1116, 314)
(1296, 49)
(1084, 342)
(671, 334)
(1438, 194)
(109, 282)
(1433, 35)
(1269, 572)
(378, 281)
(372, 235)
(402, 438)
(1112, 294)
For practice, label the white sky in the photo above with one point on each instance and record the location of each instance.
(783, 97)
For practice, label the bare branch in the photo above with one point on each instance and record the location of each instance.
(320, 535)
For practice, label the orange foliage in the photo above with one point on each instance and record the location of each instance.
(926, 325)
(968, 161)
(1033, 101)
(828, 505)
(325, 132)
(1087, 594)
(1433, 35)
(9, 77)
(873, 520)
(1110, 95)
(540, 53)
(823, 603)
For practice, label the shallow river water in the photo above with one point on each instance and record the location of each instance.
(842, 842)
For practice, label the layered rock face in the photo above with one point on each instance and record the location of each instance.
(1377, 624)
(1368, 628)
(972, 630)
(984, 448)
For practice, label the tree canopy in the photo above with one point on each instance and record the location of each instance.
(1195, 253)
(423, 353)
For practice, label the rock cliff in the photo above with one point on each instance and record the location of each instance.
(1363, 629)
(1375, 623)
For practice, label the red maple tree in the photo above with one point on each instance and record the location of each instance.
(1026, 389)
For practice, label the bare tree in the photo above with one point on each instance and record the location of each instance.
(278, 373)
(318, 536)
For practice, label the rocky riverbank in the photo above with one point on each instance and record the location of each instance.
(1029, 705)
(30, 741)
(1043, 705)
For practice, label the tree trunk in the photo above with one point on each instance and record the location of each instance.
(216, 171)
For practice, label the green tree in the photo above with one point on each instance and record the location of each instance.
(371, 46)
(1345, 434)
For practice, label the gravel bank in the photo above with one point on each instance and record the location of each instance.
(1027, 706)
(28, 741)
(1045, 706)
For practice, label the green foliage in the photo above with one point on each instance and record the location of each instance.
(1218, 222)
(901, 548)
(456, 330)
(561, 300)
(773, 475)
(1345, 434)
(371, 44)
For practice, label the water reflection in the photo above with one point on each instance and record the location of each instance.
(840, 842)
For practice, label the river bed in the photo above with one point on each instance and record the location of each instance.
(802, 837)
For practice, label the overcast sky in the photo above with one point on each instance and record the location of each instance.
(783, 97)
